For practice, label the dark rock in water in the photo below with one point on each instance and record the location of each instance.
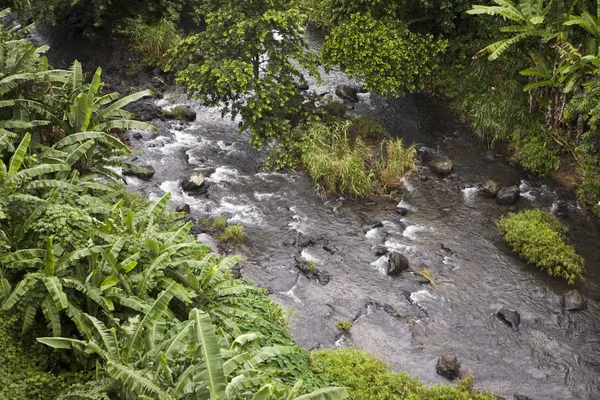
(290, 241)
(183, 208)
(489, 156)
(144, 111)
(402, 211)
(380, 250)
(396, 264)
(193, 182)
(488, 189)
(441, 166)
(137, 135)
(302, 86)
(145, 172)
(328, 249)
(188, 113)
(574, 301)
(507, 196)
(323, 277)
(510, 317)
(376, 225)
(448, 366)
(347, 93)
(522, 397)
(306, 241)
(446, 249)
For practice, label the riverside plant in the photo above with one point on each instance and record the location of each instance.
(539, 238)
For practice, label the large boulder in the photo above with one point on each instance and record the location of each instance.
(185, 208)
(448, 366)
(574, 301)
(193, 182)
(488, 189)
(182, 113)
(441, 166)
(347, 93)
(145, 172)
(510, 318)
(144, 110)
(507, 196)
(396, 264)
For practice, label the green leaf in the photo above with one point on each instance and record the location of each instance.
(17, 159)
(109, 282)
(54, 287)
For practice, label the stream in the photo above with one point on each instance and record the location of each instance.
(448, 230)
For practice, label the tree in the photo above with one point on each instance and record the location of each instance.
(247, 63)
(384, 53)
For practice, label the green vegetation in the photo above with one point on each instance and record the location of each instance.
(233, 233)
(344, 325)
(369, 378)
(539, 238)
(340, 162)
(219, 223)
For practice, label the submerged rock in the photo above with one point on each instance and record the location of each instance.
(379, 250)
(183, 208)
(489, 156)
(193, 182)
(507, 196)
(441, 166)
(396, 264)
(448, 366)
(574, 301)
(510, 317)
(145, 172)
(402, 211)
(488, 189)
(347, 93)
(522, 397)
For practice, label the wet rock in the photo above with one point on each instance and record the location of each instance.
(489, 156)
(329, 249)
(522, 397)
(138, 135)
(402, 211)
(310, 270)
(184, 113)
(441, 166)
(379, 250)
(183, 208)
(396, 264)
(509, 317)
(145, 172)
(375, 226)
(448, 366)
(574, 301)
(193, 182)
(347, 93)
(302, 86)
(507, 196)
(488, 189)
(323, 277)
(144, 111)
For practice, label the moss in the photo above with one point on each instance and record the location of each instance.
(20, 377)
(219, 223)
(344, 325)
(369, 378)
(539, 238)
(177, 113)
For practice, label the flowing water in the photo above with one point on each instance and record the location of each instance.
(449, 230)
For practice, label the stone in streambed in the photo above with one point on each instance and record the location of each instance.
(402, 211)
(441, 166)
(193, 182)
(574, 301)
(509, 317)
(183, 208)
(145, 172)
(347, 93)
(380, 250)
(448, 366)
(396, 264)
(488, 189)
(507, 196)
(522, 397)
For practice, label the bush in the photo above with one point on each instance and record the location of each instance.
(538, 237)
(233, 233)
(219, 223)
(369, 378)
(369, 129)
(343, 325)
(395, 161)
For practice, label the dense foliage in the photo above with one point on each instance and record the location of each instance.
(539, 238)
(369, 378)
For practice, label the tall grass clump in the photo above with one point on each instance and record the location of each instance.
(539, 238)
(335, 164)
(395, 161)
(152, 41)
(339, 160)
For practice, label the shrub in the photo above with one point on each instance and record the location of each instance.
(395, 161)
(219, 223)
(152, 41)
(344, 325)
(233, 233)
(538, 237)
(369, 129)
(369, 378)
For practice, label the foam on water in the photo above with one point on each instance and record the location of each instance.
(290, 293)
(404, 204)
(397, 246)
(306, 256)
(407, 186)
(372, 233)
(526, 190)
(380, 264)
(225, 174)
(265, 196)
(469, 194)
(420, 296)
(410, 231)
(246, 214)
